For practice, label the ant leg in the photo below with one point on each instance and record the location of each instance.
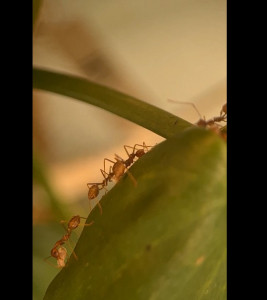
(62, 223)
(125, 148)
(106, 178)
(131, 177)
(132, 147)
(190, 103)
(93, 183)
(48, 262)
(104, 173)
(117, 157)
(144, 146)
(74, 254)
(100, 207)
(86, 224)
(105, 163)
(90, 207)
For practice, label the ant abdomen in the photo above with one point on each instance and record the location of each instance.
(93, 192)
(118, 169)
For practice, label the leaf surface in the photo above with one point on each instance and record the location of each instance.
(164, 238)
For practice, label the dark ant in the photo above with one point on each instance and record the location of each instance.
(222, 118)
(60, 253)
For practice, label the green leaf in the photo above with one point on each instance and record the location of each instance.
(164, 238)
(128, 107)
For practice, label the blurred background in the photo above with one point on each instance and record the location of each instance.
(153, 50)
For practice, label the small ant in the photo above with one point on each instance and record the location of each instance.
(94, 191)
(222, 118)
(211, 123)
(119, 167)
(60, 253)
(73, 223)
(139, 153)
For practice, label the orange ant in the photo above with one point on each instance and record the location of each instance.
(222, 118)
(139, 153)
(120, 166)
(94, 188)
(115, 171)
(211, 123)
(60, 253)
(73, 223)
(94, 191)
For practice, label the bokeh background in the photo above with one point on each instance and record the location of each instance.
(154, 50)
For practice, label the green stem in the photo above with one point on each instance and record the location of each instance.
(151, 117)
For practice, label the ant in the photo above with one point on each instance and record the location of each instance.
(94, 191)
(73, 223)
(115, 171)
(121, 165)
(211, 123)
(60, 253)
(222, 118)
(139, 153)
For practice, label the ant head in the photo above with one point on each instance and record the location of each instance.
(201, 123)
(139, 153)
(54, 252)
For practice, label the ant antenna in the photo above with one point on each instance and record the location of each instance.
(190, 103)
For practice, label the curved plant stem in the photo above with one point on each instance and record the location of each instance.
(151, 117)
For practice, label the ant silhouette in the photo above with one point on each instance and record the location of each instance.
(212, 123)
(60, 253)
(135, 153)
